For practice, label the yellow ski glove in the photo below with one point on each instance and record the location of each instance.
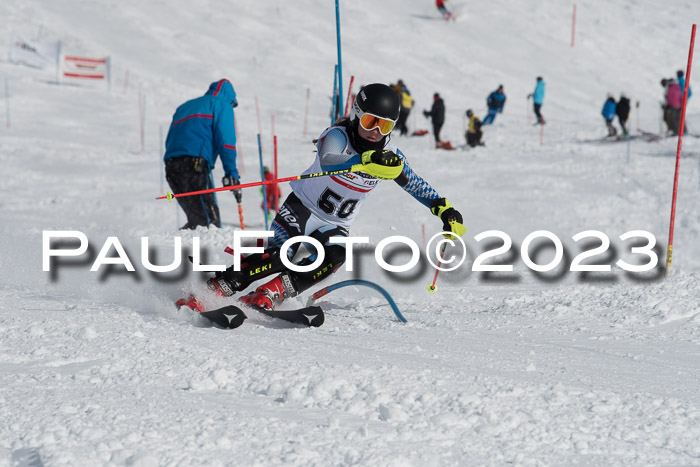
(385, 165)
(451, 218)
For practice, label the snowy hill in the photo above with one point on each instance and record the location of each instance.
(525, 368)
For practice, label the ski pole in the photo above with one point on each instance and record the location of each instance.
(355, 168)
(432, 287)
(240, 216)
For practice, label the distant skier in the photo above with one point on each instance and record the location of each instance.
(495, 102)
(325, 207)
(201, 130)
(608, 113)
(537, 99)
(622, 109)
(440, 4)
(437, 115)
(406, 106)
(474, 132)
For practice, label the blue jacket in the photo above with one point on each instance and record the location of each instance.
(538, 94)
(496, 101)
(681, 82)
(609, 109)
(203, 127)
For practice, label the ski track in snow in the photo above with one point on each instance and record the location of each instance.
(100, 369)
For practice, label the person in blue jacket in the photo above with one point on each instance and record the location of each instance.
(609, 113)
(537, 99)
(201, 130)
(681, 83)
(496, 101)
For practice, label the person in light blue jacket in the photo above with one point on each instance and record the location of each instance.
(608, 113)
(202, 130)
(538, 99)
(681, 83)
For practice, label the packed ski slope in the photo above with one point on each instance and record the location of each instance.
(559, 368)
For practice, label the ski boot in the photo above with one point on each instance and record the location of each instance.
(267, 296)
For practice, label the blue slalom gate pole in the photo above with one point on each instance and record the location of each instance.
(369, 284)
(160, 159)
(262, 178)
(340, 56)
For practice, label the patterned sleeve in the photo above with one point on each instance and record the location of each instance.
(415, 185)
(330, 152)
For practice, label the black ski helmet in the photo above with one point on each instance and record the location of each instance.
(377, 99)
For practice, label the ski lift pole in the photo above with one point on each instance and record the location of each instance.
(669, 250)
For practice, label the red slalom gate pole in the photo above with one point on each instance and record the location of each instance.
(276, 192)
(541, 134)
(573, 26)
(347, 101)
(669, 250)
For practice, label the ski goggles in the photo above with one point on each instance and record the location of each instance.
(369, 122)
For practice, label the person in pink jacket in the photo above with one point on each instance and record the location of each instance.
(674, 102)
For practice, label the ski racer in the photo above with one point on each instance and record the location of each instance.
(325, 207)
(495, 102)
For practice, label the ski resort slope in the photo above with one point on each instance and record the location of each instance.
(559, 368)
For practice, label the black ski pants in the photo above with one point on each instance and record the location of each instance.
(185, 174)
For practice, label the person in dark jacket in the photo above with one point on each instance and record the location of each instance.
(495, 102)
(474, 132)
(608, 113)
(202, 130)
(437, 114)
(622, 109)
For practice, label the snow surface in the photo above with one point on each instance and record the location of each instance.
(513, 368)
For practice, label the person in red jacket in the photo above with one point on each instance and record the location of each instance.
(272, 194)
(440, 4)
